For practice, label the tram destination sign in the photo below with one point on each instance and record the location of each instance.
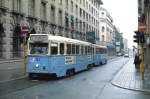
(39, 37)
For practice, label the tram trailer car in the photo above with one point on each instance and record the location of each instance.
(61, 56)
(100, 55)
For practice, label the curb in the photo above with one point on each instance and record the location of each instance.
(124, 87)
(139, 90)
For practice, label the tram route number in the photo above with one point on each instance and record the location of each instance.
(39, 37)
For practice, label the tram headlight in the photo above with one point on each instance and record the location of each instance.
(37, 65)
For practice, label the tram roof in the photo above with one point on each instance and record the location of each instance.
(69, 40)
(63, 39)
(99, 46)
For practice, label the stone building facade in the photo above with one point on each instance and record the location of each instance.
(107, 31)
(68, 18)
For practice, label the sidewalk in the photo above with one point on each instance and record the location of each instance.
(11, 70)
(130, 78)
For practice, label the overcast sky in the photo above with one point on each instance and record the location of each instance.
(125, 16)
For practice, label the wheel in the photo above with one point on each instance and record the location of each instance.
(70, 72)
(30, 76)
(88, 66)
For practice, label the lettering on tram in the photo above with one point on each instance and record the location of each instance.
(69, 60)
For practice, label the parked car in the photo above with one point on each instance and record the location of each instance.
(126, 55)
(119, 54)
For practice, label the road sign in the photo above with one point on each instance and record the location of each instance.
(24, 31)
(142, 27)
(90, 37)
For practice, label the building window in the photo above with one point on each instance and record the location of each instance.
(77, 10)
(31, 7)
(80, 1)
(84, 29)
(16, 5)
(52, 14)
(43, 10)
(60, 2)
(72, 22)
(80, 12)
(76, 24)
(83, 14)
(102, 14)
(66, 20)
(60, 17)
(67, 4)
(2, 2)
(103, 28)
(86, 5)
(71, 6)
(86, 16)
(80, 26)
(87, 28)
(102, 37)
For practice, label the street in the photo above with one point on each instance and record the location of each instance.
(92, 84)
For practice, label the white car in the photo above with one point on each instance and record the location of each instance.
(119, 54)
(126, 55)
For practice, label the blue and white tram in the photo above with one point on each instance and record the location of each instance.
(61, 56)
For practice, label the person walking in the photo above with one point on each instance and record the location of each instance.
(137, 61)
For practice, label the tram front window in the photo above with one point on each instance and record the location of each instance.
(38, 48)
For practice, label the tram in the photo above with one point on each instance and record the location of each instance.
(61, 56)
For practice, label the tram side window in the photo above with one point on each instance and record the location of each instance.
(89, 50)
(86, 50)
(82, 49)
(77, 49)
(97, 51)
(73, 49)
(68, 48)
(93, 50)
(101, 51)
(61, 48)
(105, 51)
(54, 48)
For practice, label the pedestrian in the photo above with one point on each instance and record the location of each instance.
(137, 61)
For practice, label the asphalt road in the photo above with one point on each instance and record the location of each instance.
(92, 84)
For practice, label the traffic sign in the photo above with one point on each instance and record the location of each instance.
(142, 27)
(24, 31)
